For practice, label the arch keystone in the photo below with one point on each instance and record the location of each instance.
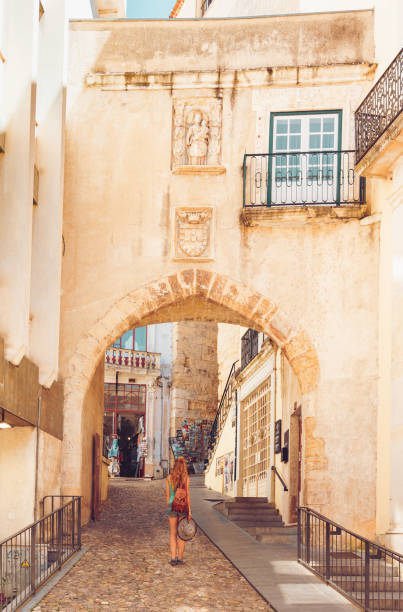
(203, 281)
(187, 280)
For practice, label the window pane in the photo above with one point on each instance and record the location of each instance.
(328, 124)
(140, 338)
(127, 339)
(281, 142)
(282, 126)
(328, 141)
(315, 125)
(295, 142)
(314, 141)
(117, 343)
(295, 126)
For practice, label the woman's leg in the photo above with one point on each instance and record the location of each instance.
(173, 534)
(181, 547)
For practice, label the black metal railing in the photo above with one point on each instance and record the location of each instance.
(223, 409)
(380, 108)
(277, 473)
(368, 574)
(31, 556)
(205, 5)
(302, 178)
(249, 347)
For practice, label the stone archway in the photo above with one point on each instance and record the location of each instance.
(189, 294)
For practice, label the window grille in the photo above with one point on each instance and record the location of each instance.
(255, 430)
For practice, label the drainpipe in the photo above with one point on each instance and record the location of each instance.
(37, 456)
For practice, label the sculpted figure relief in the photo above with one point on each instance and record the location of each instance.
(197, 138)
(196, 132)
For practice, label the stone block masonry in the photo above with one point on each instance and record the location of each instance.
(194, 373)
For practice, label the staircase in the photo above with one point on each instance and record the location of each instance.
(366, 572)
(385, 586)
(258, 517)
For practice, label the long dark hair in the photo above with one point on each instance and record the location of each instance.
(179, 473)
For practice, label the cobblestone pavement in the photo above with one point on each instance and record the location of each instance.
(127, 565)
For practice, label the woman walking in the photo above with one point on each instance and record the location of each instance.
(178, 501)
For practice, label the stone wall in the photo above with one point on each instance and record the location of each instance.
(92, 423)
(194, 372)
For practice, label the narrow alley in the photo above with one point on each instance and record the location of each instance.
(126, 566)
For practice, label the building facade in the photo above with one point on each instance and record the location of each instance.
(209, 175)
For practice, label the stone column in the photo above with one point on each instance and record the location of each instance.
(150, 415)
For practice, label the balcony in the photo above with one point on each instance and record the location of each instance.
(381, 107)
(302, 179)
(136, 360)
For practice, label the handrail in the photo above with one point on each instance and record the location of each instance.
(53, 497)
(218, 421)
(31, 556)
(336, 554)
(277, 473)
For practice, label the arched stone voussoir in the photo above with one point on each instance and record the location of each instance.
(252, 307)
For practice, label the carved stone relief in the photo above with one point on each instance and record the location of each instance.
(194, 233)
(196, 137)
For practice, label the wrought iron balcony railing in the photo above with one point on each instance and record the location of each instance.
(380, 108)
(301, 178)
(205, 5)
(132, 359)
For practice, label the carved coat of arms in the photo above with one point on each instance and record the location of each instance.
(193, 233)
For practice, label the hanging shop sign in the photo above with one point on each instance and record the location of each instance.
(143, 448)
(277, 436)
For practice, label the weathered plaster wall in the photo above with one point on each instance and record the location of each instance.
(226, 444)
(289, 394)
(17, 479)
(194, 373)
(49, 467)
(228, 351)
(92, 423)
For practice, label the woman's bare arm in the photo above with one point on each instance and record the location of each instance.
(167, 490)
(188, 496)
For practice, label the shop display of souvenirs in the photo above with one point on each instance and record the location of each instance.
(192, 442)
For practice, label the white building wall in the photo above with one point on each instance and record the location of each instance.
(80, 9)
(17, 173)
(47, 216)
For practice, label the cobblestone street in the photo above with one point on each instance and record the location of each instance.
(127, 564)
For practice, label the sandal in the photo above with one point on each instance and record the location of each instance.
(180, 562)
(173, 562)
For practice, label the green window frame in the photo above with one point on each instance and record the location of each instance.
(311, 142)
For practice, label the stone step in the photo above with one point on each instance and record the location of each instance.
(259, 500)
(381, 601)
(255, 531)
(250, 505)
(257, 523)
(240, 512)
(278, 535)
(357, 584)
(357, 569)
